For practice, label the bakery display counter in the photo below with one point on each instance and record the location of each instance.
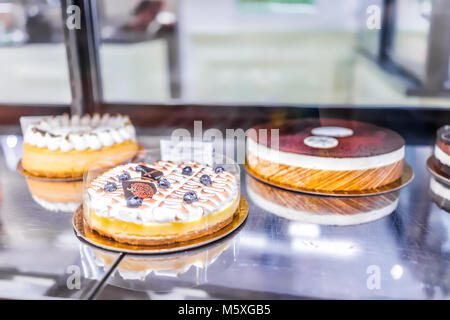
(404, 252)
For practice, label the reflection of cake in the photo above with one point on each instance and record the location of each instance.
(326, 155)
(139, 267)
(56, 196)
(321, 210)
(161, 203)
(440, 193)
(442, 149)
(63, 147)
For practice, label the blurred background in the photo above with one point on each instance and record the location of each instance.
(280, 52)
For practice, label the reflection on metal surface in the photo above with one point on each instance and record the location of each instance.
(320, 210)
(63, 195)
(440, 193)
(435, 172)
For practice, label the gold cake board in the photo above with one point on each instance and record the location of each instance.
(436, 173)
(406, 178)
(92, 237)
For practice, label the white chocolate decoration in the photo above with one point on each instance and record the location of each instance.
(321, 142)
(338, 132)
(66, 134)
(166, 205)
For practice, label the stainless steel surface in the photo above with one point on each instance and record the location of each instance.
(40, 257)
(403, 255)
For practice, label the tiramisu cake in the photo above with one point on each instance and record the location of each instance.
(63, 147)
(442, 150)
(160, 203)
(336, 211)
(326, 155)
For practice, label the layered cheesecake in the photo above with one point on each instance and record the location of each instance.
(326, 155)
(65, 147)
(442, 150)
(160, 203)
(338, 211)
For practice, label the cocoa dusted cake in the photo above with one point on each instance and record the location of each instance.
(160, 203)
(326, 155)
(442, 150)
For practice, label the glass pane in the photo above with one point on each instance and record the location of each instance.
(33, 59)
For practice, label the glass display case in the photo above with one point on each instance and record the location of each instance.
(339, 159)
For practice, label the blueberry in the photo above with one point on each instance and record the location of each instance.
(219, 169)
(110, 187)
(190, 197)
(187, 171)
(163, 183)
(124, 177)
(134, 202)
(205, 179)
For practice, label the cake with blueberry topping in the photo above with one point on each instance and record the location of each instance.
(160, 203)
(326, 155)
(65, 147)
(442, 150)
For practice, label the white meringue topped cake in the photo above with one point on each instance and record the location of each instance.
(161, 202)
(65, 147)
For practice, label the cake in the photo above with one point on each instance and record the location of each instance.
(440, 194)
(336, 211)
(442, 150)
(65, 196)
(326, 155)
(160, 203)
(63, 147)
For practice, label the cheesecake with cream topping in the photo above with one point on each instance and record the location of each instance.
(65, 147)
(160, 203)
(442, 150)
(326, 155)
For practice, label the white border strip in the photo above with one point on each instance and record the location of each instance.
(323, 163)
(439, 189)
(441, 155)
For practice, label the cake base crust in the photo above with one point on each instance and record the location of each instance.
(325, 180)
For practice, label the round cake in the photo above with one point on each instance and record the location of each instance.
(160, 203)
(326, 155)
(63, 147)
(139, 267)
(442, 150)
(321, 210)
